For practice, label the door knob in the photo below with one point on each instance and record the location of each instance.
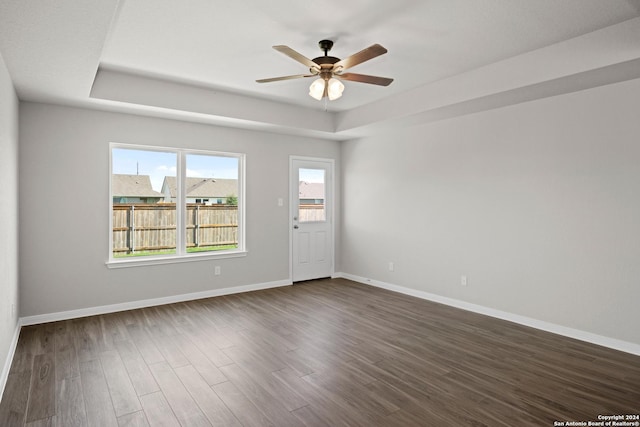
(296, 227)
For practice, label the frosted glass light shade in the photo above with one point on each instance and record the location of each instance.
(316, 90)
(335, 89)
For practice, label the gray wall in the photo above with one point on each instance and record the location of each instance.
(8, 212)
(64, 169)
(537, 203)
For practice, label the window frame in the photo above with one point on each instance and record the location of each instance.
(181, 254)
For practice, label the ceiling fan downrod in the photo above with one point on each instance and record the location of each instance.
(325, 45)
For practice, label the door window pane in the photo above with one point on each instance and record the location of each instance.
(311, 207)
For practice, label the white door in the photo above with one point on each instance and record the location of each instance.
(311, 218)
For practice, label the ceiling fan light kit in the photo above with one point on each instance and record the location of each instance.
(330, 70)
(316, 90)
(334, 89)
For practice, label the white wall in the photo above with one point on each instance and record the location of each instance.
(537, 203)
(8, 215)
(64, 210)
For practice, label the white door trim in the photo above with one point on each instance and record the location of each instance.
(292, 186)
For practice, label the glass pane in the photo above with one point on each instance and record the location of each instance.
(144, 209)
(212, 202)
(311, 206)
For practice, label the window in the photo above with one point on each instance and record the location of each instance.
(312, 190)
(160, 205)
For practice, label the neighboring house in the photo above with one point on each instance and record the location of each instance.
(207, 191)
(311, 193)
(133, 189)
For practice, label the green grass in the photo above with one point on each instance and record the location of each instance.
(212, 248)
(172, 251)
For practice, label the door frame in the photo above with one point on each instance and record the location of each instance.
(332, 188)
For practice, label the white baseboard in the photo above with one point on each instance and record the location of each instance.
(112, 308)
(9, 359)
(627, 347)
(613, 343)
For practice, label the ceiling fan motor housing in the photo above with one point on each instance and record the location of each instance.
(325, 62)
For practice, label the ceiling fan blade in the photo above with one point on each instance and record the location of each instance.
(363, 78)
(276, 79)
(296, 56)
(360, 57)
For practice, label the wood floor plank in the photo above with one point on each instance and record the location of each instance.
(263, 362)
(70, 406)
(334, 413)
(206, 343)
(355, 395)
(158, 324)
(135, 419)
(171, 351)
(45, 338)
(42, 402)
(44, 422)
(286, 395)
(13, 408)
(123, 395)
(309, 418)
(243, 409)
(66, 356)
(269, 404)
(420, 416)
(87, 334)
(114, 327)
(281, 355)
(98, 404)
(184, 407)
(323, 353)
(213, 408)
(157, 410)
(139, 373)
(205, 367)
(145, 344)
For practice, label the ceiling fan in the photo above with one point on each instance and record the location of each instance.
(330, 70)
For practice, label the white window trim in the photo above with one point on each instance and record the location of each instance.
(173, 259)
(181, 254)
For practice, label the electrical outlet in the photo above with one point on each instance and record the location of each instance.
(13, 310)
(216, 270)
(391, 266)
(463, 280)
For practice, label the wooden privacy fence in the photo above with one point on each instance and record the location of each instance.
(311, 213)
(152, 227)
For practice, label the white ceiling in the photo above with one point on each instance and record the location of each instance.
(53, 51)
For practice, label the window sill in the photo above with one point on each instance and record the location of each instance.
(171, 259)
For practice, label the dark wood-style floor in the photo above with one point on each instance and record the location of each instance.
(323, 353)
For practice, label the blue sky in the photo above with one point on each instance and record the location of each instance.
(158, 164)
(312, 175)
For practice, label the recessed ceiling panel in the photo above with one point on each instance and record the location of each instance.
(228, 44)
